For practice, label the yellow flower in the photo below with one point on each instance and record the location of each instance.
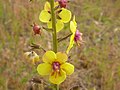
(55, 66)
(76, 35)
(32, 57)
(62, 16)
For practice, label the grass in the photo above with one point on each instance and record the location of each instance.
(97, 61)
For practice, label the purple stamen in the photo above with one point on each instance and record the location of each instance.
(78, 36)
(56, 66)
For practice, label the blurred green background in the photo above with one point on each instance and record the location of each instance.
(97, 61)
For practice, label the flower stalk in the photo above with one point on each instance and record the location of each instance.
(54, 63)
(53, 18)
(54, 34)
(57, 87)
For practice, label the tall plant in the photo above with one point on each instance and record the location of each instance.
(55, 14)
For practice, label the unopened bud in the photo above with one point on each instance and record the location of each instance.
(63, 3)
(36, 29)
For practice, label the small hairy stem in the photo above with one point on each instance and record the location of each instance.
(61, 39)
(53, 18)
(35, 46)
(47, 29)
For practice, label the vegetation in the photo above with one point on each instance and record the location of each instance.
(97, 61)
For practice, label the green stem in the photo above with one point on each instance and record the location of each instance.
(61, 39)
(53, 18)
(57, 87)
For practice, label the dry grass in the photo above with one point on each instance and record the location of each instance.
(97, 61)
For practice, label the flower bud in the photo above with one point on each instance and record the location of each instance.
(63, 3)
(32, 57)
(36, 29)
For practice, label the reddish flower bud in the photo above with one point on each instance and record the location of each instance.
(36, 29)
(63, 3)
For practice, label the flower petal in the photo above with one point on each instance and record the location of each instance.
(72, 27)
(57, 77)
(74, 21)
(44, 69)
(49, 57)
(71, 43)
(65, 15)
(68, 68)
(61, 57)
(35, 59)
(47, 6)
(44, 16)
(27, 54)
(32, 57)
(56, 4)
(49, 24)
(59, 25)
